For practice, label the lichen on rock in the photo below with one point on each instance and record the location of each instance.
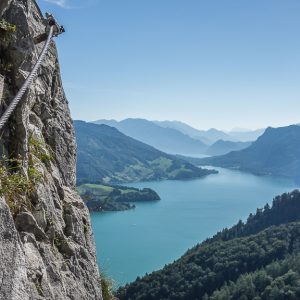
(46, 247)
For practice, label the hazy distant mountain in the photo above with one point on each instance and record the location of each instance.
(240, 129)
(185, 129)
(180, 138)
(207, 136)
(213, 135)
(244, 135)
(169, 140)
(104, 154)
(276, 152)
(221, 147)
(111, 123)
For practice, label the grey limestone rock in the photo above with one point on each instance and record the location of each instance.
(3, 6)
(47, 249)
(13, 273)
(1, 87)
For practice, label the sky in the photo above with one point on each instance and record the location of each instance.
(209, 63)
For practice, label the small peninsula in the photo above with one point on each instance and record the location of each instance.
(99, 197)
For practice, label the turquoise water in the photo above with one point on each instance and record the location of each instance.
(134, 242)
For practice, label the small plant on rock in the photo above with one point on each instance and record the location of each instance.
(38, 149)
(14, 185)
(8, 27)
(107, 288)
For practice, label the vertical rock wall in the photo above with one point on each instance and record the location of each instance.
(1, 87)
(46, 246)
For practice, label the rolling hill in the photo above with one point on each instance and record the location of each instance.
(276, 152)
(108, 156)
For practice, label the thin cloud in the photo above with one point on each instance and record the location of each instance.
(60, 3)
(70, 4)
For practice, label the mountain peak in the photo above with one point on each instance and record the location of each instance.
(276, 152)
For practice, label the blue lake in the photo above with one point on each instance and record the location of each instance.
(131, 243)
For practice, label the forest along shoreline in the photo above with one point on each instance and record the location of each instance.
(203, 206)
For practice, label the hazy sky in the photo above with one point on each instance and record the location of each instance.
(213, 63)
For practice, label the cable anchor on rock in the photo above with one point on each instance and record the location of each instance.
(52, 29)
(57, 29)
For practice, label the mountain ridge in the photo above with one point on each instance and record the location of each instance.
(176, 137)
(221, 147)
(168, 140)
(276, 152)
(109, 156)
(212, 135)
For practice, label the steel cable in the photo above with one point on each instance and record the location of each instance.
(12, 106)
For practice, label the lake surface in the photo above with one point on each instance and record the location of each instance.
(131, 243)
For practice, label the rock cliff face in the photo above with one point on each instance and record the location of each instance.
(46, 245)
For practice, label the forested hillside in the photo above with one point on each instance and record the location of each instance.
(276, 152)
(256, 260)
(106, 155)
